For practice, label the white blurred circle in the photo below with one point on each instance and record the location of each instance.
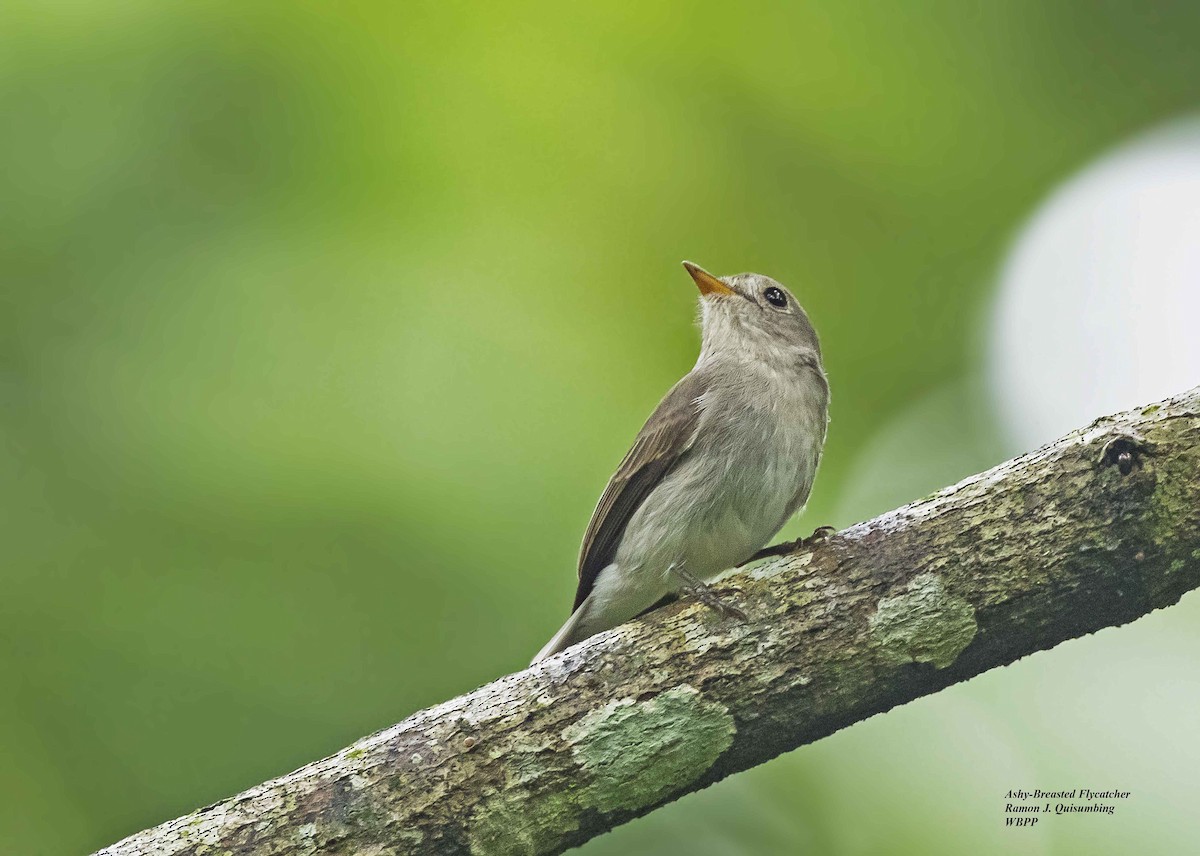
(1099, 303)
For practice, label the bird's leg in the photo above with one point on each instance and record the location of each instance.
(704, 593)
(819, 535)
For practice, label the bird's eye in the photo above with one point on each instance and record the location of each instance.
(775, 297)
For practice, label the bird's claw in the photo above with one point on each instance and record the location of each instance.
(704, 593)
(819, 535)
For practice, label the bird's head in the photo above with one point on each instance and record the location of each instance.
(752, 316)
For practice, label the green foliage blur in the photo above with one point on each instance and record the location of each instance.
(323, 325)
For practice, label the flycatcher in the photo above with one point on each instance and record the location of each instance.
(725, 459)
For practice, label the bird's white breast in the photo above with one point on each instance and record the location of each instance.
(750, 467)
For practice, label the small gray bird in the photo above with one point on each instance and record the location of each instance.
(725, 459)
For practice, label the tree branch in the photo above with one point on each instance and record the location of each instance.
(1094, 530)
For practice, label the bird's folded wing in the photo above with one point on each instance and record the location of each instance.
(660, 445)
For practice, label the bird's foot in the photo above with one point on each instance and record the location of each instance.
(703, 592)
(821, 533)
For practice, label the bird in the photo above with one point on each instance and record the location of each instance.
(727, 457)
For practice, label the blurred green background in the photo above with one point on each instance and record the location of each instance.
(322, 327)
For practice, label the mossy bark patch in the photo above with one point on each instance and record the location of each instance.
(516, 822)
(926, 624)
(631, 754)
(637, 753)
(1173, 499)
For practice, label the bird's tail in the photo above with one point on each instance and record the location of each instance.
(570, 633)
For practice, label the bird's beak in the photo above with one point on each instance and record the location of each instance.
(708, 284)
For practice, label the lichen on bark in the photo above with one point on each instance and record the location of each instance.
(925, 624)
(638, 752)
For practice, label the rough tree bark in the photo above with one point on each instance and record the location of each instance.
(1094, 530)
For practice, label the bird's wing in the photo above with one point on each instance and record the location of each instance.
(662, 442)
